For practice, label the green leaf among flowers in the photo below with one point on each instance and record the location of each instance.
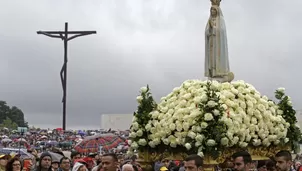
(289, 114)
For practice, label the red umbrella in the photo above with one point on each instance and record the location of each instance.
(92, 143)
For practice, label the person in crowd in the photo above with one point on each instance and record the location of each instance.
(97, 168)
(55, 165)
(3, 161)
(166, 162)
(97, 159)
(193, 163)
(271, 165)
(172, 166)
(261, 166)
(14, 164)
(109, 162)
(74, 156)
(157, 165)
(79, 167)
(242, 161)
(65, 164)
(120, 159)
(283, 161)
(44, 162)
(297, 166)
(127, 167)
(28, 164)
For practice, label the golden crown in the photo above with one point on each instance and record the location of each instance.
(216, 2)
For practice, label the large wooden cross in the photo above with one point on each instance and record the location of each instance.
(63, 73)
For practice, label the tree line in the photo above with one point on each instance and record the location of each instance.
(11, 117)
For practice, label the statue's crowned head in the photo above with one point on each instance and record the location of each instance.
(214, 11)
(216, 2)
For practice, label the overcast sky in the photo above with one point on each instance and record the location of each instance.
(139, 42)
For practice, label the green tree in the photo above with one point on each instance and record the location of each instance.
(17, 116)
(14, 114)
(4, 111)
(8, 123)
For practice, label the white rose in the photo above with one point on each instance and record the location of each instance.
(186, 126)
(132, 135)
(289, 103)
(215, 85)
(144, 89)
(135, 126)
(134, 119)
(235, 140)
(261, 107)
(148, 127)
(179, 128)
(211, 143)
(234, 91)
(286, 140)
(216, 112)
(172, 126)
(256, 142)
(199, 138)
(134, 145)
(191, 134)
(187, 96)
(130, 153)
(203, 125)
(139, 99)
(281, 90)
(176, 89)
(197, 100)
(200, 154)
(142, 142)
(279, 112)
(166, 141)
(183, 103)
(152, 144)
(204, 98)
(211, 103)
(208, 117)
(243, 144)
(198, 129)
(198, 144)
(224, 141)
(188, 146)
(139, 133)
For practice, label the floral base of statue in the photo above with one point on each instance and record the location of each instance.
(148, 158)
(211, 118)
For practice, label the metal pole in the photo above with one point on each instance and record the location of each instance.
(65, 76)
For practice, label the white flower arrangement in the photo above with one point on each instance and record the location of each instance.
(237, 113)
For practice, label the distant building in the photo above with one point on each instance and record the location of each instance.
(299, 117)
(116, 121)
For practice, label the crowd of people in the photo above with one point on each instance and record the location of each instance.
(76, 162)
(46, 159)
(240, 161)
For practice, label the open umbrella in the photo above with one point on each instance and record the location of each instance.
(21, 140)
(23, 154)
(6, 140)
(93, 143)
(52, 143)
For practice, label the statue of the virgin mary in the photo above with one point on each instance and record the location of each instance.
(216, 47)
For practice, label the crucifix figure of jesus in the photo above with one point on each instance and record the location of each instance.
(63, 73)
